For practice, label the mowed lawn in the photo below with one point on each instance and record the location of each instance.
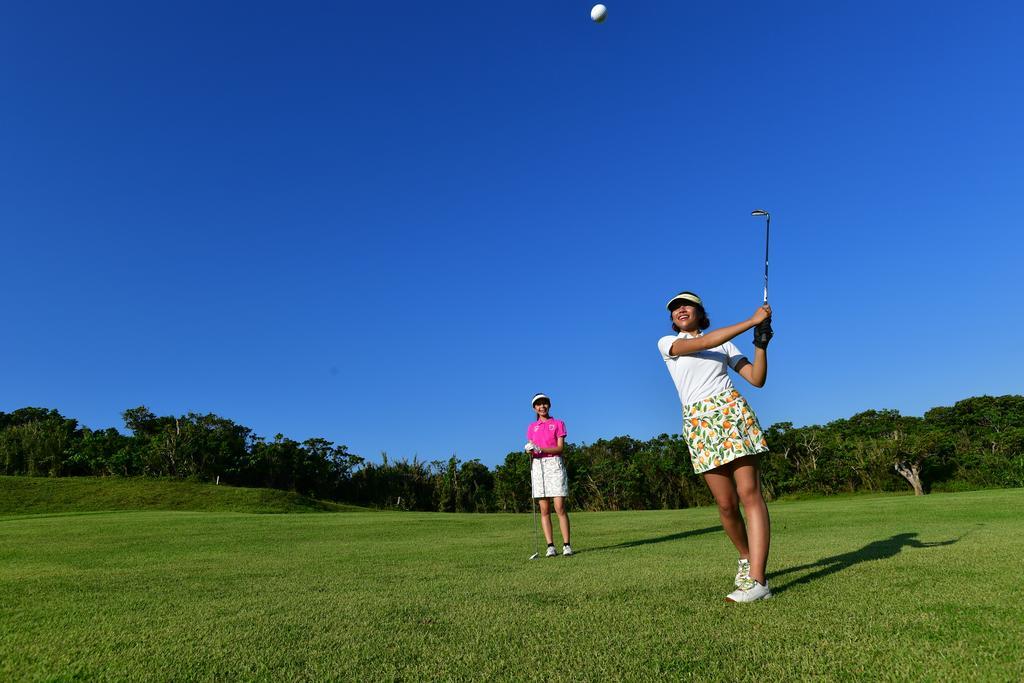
(880, 587)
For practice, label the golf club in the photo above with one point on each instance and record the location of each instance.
(534, 501)
(767, 231)
(543, 494)
(536, 554)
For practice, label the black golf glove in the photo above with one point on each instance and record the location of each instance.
(763, 334)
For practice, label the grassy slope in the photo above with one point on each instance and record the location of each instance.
(886, 588)
(35, 495)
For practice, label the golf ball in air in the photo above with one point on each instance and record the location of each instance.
(598, 13)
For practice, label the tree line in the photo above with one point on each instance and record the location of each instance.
(976, 443)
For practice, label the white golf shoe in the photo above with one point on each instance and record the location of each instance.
(742, 571)
(551, 551)
(566, 550)
(749, 591)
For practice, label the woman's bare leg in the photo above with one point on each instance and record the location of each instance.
(747, 476)
(563, 519)
(545, 518)
(724, 490)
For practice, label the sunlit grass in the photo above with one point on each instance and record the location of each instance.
(46, 495)
(891, 588)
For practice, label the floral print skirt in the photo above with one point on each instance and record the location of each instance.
(720, 429)
(548, 477)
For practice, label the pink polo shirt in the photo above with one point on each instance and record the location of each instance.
(545, 434)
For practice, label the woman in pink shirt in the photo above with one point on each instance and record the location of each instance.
(547, 470)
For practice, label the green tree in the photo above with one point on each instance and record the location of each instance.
(476, 487)
(103, 452)
(512, 483)
(36, 442)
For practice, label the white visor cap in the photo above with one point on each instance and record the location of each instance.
(685, 296)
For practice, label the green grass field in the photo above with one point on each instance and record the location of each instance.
(886, 588)
(44, 495)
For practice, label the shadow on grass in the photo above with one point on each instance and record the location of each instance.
(876, 550)
(649, 541)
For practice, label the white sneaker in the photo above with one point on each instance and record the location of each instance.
(566, 550)
(742, 572)
(551, 551)
(749, 591)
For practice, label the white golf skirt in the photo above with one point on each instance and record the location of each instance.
(548, 476)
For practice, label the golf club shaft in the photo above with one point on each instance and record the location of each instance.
(534, 501)
(544, 495)
(767, 233)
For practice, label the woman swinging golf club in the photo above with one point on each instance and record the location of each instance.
(546, 439)
(721, 430)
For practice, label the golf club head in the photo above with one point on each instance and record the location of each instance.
(534, 556)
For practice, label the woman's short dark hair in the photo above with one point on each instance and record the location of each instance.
(704, 323)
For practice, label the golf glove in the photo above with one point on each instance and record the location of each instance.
(529, 447)
(763, 334)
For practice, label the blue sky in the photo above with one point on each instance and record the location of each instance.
(389, 224)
